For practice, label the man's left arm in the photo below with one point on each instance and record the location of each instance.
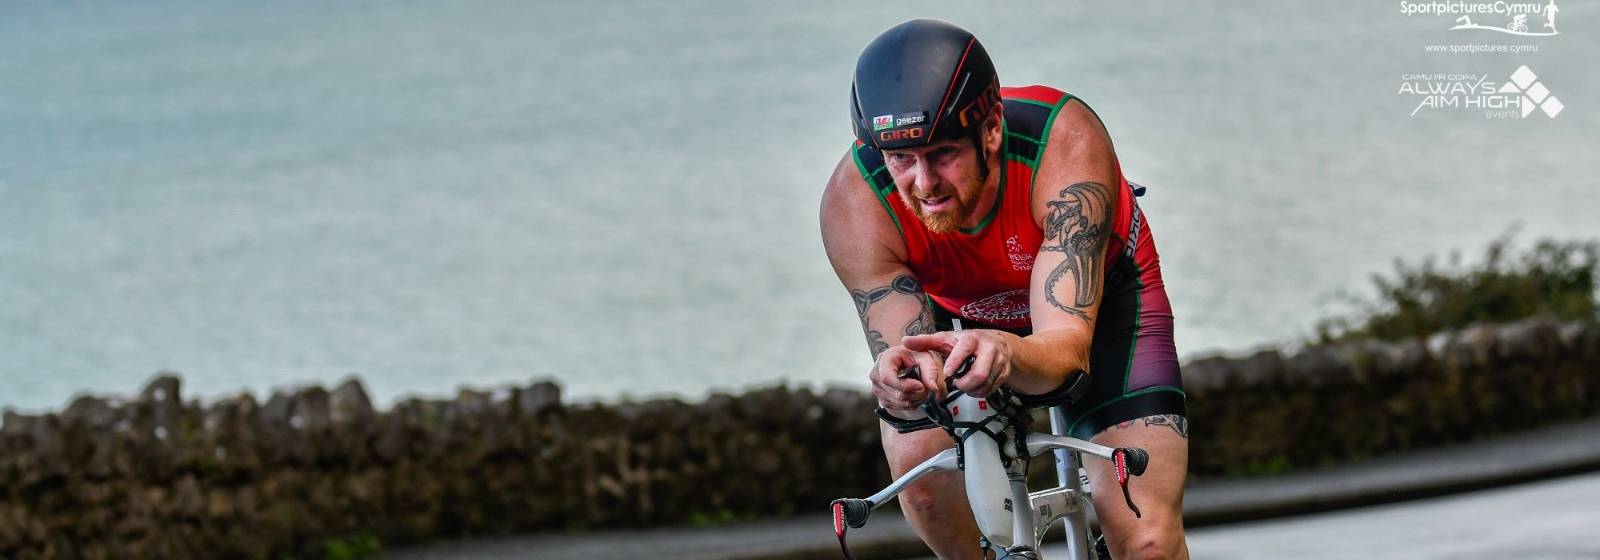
(1073, 203)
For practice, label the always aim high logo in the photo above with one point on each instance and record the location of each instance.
(1518, 97)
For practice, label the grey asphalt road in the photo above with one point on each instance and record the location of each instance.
(1534, 520)
(1554, 519)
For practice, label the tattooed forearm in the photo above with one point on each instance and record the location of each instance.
(902, 284)
(922, 324)
(875, 343)
(1078, 226)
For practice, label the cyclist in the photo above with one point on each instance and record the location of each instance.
(974, 220)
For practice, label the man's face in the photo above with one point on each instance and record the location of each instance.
(941, 182)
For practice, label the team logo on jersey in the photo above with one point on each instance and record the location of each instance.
(1020, 259)
(882, 122)
(999, 309)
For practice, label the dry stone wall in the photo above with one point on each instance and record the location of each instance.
(309, 469)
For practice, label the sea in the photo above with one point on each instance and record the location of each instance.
(622, 196)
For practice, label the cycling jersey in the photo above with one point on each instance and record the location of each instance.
(981, 275)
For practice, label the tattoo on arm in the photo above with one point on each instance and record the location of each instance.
(922, 324)
(902, 284)
(1078, 226)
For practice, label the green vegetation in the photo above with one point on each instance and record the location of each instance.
(1553, 277)
(720, 517)
(363, 545)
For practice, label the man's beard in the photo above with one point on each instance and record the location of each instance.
(948, 220)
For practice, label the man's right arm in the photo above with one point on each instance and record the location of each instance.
(868, 255)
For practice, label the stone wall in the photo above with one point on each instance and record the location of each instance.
(1328, 404)
(309, 471)
(159, 477)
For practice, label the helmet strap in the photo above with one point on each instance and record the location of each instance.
(983, 153)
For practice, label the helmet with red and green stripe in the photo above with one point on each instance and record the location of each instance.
(920, 82)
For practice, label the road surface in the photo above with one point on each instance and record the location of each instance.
(1554, 519)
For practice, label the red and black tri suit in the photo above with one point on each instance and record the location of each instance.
(980, 276)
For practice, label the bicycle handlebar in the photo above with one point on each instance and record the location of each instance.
(1009, 411)
(936, 412)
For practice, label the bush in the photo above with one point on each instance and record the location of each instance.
(1553, 277)
(354, 547)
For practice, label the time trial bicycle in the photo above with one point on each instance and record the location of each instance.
(993, 446)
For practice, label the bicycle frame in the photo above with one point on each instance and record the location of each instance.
(1075, 519)
(1070, 501)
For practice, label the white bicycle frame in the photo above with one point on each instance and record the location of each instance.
(1069, 502)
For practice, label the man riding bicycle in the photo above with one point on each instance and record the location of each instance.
(974, 220)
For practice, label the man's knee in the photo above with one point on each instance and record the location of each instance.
(1149, 543)
(936, 493)
(925, 498)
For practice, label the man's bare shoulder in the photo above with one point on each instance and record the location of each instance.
(1078, 149)
(1077, 134)
(855, 225)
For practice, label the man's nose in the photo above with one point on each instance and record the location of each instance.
(925, 179)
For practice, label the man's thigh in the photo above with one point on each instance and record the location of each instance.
(1158, 492)
(906, 451)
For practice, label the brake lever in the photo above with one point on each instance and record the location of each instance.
(1128, 461)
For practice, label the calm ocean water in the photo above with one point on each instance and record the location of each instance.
(623, 195)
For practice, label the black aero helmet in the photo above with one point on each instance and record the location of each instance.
(920, 82)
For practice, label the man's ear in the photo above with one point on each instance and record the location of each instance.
(993, 134)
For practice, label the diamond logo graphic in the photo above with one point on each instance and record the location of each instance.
(1552, 107)
(1534, 94)
(1538, 92)
(1523, 77)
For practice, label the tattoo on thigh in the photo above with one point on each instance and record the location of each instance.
(1178, 422)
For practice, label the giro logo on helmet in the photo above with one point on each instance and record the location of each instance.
(902, 134)
(979, 108)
